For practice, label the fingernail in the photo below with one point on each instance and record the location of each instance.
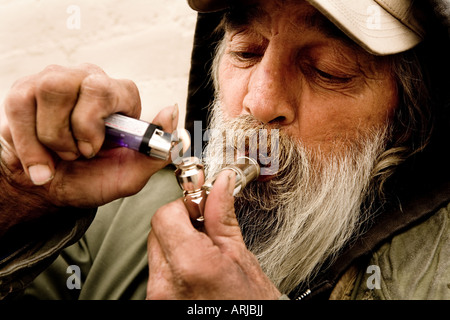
(40, 174)
(86, 149)
(175, 116)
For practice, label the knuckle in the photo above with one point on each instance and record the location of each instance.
(130, 87)
(51, 68)
(91, 68)
(159, 215)
(23, 83)
(167, 211)
(134, 99)
(15, 101)
(191, 269)
(98, 85)
(59, 83)
(188, 273)
(54, 138)
(12, 103)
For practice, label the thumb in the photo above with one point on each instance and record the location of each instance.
(167, 118)
(221, 224)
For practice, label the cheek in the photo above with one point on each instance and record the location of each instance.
(336, 118)
(233, 84)
(380, 104)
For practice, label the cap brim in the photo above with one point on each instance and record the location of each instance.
(364, 21)
(369, 25)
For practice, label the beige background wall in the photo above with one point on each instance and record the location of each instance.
(147, 41)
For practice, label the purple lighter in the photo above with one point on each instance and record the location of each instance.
(147, 138)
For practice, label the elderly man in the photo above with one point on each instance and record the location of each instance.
(356, 207)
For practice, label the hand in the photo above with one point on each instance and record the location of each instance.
(52, 131)
(185, 263)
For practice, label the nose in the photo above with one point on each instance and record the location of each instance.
(271, 97)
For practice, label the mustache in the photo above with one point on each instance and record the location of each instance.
(247, 136)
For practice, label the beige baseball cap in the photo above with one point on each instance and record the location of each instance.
(381, 27)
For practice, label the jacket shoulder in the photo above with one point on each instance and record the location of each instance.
(414, 264)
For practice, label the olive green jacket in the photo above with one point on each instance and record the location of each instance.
(414, 264)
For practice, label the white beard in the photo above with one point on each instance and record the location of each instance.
(296, 221)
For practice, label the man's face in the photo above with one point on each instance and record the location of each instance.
(287, 66)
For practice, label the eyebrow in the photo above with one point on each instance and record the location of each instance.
(239, 17)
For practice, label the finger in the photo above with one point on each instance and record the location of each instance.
(123, 172)
(158, 285)
(167, 118)
(20, 110)
(181, 243)
(56, 95)
(171, 225)
(221, 224)
(101, 96)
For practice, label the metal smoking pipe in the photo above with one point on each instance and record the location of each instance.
(191, 178)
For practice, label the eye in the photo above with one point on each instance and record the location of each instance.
(245, 55)
(332, 78)
(245, 59)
